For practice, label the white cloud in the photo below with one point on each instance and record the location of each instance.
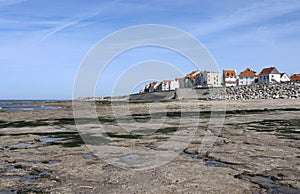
(256, 13)
(10, 2)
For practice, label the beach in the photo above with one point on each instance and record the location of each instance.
(188, 146)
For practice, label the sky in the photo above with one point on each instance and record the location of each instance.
(43, 43)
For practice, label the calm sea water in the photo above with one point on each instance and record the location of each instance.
(16, 105)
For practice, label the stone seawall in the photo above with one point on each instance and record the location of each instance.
(200, 94)
(272, 91)
(153, 96)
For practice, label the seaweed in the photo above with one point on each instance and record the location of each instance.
(167, 130)
(55, 122)
(125, 136)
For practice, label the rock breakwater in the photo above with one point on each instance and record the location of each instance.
(289, 90)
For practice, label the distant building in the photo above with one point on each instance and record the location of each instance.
(284, 77)
(165, 85)
(247, 78)
(269, 75)
(295, 77)
(174, 84)
(190, 79)
(207, 79)
(181, 82)
(229, 78)
(188, 83)
(147, 88)
(155, 87)
(158, 87)
(200, 80)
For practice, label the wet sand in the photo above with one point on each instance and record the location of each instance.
(257, 150)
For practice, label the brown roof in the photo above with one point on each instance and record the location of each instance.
(248, 72)
(192, 75)
(295, 77)
(229, 73)
(180, 79)
(166, 81)
(270, 70)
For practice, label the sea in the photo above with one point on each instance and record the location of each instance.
(26, 105)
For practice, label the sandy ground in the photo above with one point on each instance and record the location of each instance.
(161, 147)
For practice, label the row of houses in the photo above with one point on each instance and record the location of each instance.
(192, 80)
(203, 79)
(249, 77)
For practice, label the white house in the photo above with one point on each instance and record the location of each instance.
(165, 85)
(284, 77)
(154, 87)
(247, 77)
(269, 75)
(181, 82)
(208, 79)
(174, 84)
(229, 78)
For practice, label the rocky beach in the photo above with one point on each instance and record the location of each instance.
(254, 150)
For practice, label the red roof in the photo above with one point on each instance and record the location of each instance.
(166, 81)
(270, 70)
(295, 77)
(229, 73)
(180, 79)
(192, 75)
(248, 72)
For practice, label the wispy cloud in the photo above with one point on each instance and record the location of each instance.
(258, 12)
(266, 35)
(10, 2)
(72, 21)
(65, 24)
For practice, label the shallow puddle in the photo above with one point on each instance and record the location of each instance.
(130, 158)
(11, 167)
(214, 163)
(25, 178)
(28, 177)
(18, 145)
(268, 184)
(24, 189)
(87, 156)
(50, 139)
(183, 153)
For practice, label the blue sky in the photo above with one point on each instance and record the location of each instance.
(42, 43)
